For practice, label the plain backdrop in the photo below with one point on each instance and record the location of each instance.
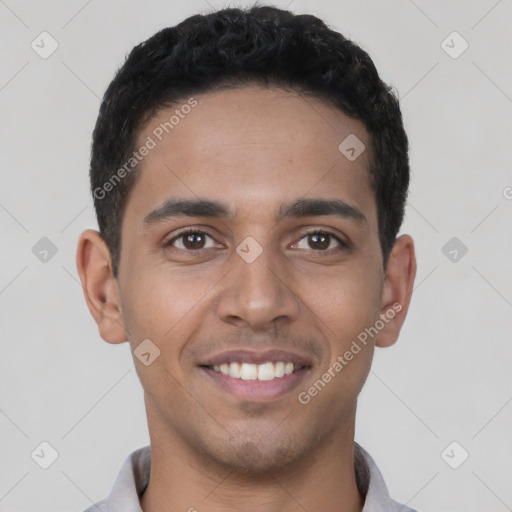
(448, 377)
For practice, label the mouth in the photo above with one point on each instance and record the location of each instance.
(256, 375)
(261, 372)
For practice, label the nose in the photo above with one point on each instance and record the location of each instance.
(258, 295)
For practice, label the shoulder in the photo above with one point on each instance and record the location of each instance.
(377, 497)
(101, 506)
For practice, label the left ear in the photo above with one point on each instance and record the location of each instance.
(397, 291)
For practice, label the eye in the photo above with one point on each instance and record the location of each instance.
(193, 239)
(190, 240)
(321, 241)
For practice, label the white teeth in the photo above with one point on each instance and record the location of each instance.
(279, 369)
(266, 371)
(262, 372)
(235, 370)
(249, 372)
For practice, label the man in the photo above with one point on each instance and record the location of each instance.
(249, 171)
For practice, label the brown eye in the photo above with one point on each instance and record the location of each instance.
(320, 241)
(193, 240)
(189, 240)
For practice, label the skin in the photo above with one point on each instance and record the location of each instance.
(254, 149)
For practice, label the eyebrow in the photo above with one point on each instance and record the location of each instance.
(173, 208)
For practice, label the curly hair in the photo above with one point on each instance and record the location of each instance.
(235, 47)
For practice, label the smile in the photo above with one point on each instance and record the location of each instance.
(256, 382)
(261, 372)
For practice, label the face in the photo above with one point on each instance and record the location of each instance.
(250, 238)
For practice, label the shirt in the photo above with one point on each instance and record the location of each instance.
(133, 478)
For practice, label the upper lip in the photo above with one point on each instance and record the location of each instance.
(257, 357)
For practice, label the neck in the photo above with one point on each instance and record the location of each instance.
(182, 479)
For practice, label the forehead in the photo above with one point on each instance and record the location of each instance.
(252, 147)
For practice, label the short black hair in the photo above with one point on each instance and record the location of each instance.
(234, 47)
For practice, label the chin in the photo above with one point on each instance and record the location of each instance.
(257, 460)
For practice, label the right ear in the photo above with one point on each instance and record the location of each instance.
(94, 266)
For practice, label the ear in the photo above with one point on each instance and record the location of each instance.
(99, 285)
(397, 291)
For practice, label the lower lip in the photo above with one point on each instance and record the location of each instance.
(257, 389)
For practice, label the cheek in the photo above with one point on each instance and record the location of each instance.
(345, 302)
(166, 311)
(165, 306)
(345, 306)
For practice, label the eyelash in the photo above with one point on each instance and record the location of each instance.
(188, 231)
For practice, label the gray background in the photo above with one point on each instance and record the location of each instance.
(448, 377)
